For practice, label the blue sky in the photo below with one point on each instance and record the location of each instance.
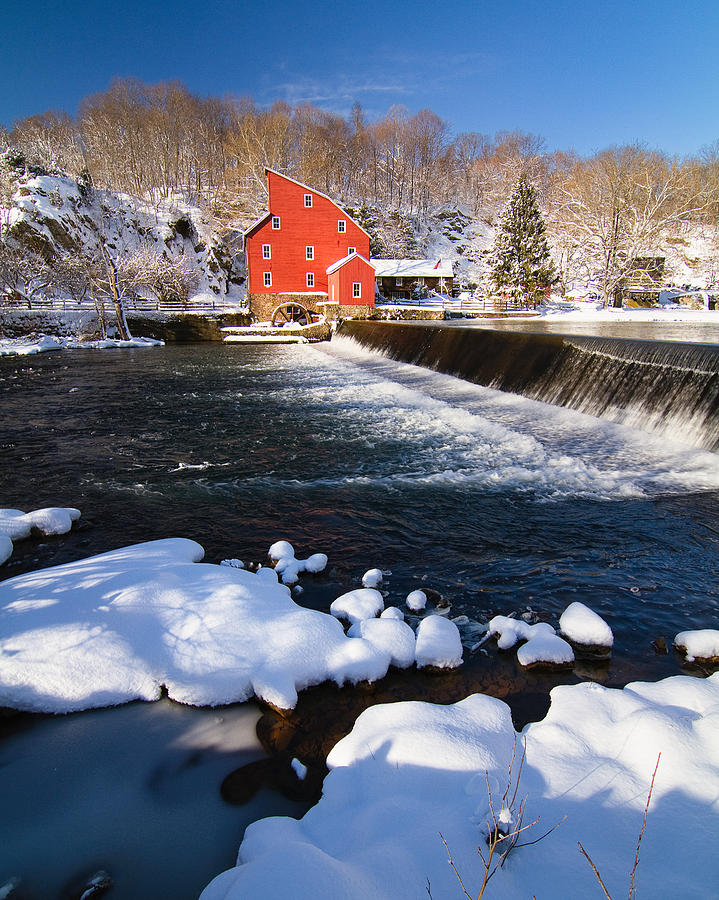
(582, 75)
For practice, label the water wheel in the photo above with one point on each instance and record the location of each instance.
(293, 313)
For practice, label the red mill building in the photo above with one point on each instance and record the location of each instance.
(300, 252)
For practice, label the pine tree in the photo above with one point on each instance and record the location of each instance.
(522, 264)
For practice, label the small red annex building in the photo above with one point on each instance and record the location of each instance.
(290, 249)
(351, 281)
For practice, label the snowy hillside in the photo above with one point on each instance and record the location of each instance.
(54, 215)
(691, 251)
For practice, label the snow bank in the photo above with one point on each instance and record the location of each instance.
(700, 644)
(411, 771)
(20, 347)
(582, 625)
(438, 643)
(118, 626)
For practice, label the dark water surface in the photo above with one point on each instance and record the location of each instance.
(499, 503)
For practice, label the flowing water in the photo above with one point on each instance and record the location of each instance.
(498, 502)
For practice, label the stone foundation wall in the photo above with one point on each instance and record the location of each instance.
(335, 311)
(185, 329)
(263, 305)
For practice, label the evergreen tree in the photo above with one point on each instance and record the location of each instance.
(522, 264)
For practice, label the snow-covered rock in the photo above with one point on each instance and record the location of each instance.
(6, 548)
(388, 635)
(354, 606)
(372, 578)
(510, 631)
(416, 601)
(700, 644)
(392, 612)
(288, 567)
(51, 520)
(54, 214)
(438, 643)
(15, 525)
(582, 625)
(118, 626)
(545, 649)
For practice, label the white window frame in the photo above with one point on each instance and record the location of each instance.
(399, 281)
(356, 290)
(266, 251)
(341, 226)
(308, 200)
(267, 279)
(351, 250)
(310, 278)
(276, 223)
(309, 251)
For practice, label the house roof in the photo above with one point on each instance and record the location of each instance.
(413, 268)
(346, 259)
(254, 225)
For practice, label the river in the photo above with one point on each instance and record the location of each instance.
(497, 502)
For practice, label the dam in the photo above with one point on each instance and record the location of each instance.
(667, 387)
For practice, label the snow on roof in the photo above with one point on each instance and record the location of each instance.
(346, 259)
(413, 268)
(255, 224)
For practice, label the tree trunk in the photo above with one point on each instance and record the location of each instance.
(111, 270)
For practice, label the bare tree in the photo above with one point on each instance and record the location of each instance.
(615, 208)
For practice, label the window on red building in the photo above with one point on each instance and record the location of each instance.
(309, 252)
(310, 279)
(308, 199)
(276, 222)
(266, 251)
(356, 289)
(341, 225)
(267, 279)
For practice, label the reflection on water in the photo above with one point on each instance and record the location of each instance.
(498, 502)
(133, 791)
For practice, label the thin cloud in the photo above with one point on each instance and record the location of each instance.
(339, 90)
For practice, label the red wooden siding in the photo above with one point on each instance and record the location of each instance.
(355, 271)
(300, 227)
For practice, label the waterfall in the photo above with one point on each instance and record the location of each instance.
(660, 386)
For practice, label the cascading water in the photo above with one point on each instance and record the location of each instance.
(665, 387)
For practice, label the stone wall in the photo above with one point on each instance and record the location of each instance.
(184, 329)
(263, 305)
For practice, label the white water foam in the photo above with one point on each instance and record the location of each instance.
(458, 432)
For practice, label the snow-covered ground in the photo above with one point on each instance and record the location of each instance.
(593, 311)
(48, 343)
(415, 783)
